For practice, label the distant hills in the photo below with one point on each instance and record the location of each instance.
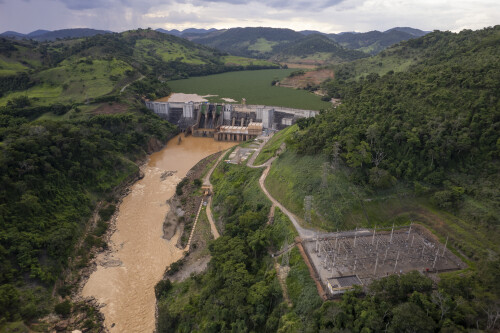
(373, 42)
(47, 35)
(248, 42)
(282, 45)
(315, 49)
(261, 42)
(264, 42)
(187, 32)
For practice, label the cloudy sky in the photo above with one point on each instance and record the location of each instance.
(324, 15)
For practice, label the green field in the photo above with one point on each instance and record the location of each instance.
(242, 61)
(9, 67)
(255, 86)
(262, 45)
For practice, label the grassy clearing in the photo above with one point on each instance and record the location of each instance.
(292, 178)
(262, 45)
(318, 56)
(242, 61)
(381, 65)
(340, 204)
(274, 144)
(43, 94)
(9, 67)
(255, 86)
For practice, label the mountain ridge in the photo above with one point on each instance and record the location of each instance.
(48, 35)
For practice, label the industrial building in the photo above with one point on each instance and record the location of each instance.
(227, 122)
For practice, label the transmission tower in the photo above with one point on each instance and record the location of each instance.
(307, 207)
(324, 177)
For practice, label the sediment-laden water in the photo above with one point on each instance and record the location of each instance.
(125, 278)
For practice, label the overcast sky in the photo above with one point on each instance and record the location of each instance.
(324, 15)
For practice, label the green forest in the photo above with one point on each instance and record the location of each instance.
(53, 174)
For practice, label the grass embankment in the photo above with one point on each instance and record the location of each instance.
(274, 144)
(255, 86)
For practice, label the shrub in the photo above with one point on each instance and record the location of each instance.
(63, 308)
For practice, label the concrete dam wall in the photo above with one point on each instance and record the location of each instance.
(210, 116)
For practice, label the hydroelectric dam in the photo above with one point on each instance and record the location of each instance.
(225, 121)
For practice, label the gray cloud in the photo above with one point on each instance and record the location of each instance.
(91, 4)
(324, 15)
(290, 4)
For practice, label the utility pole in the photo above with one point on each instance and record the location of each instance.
(445, 245)
(397, 258)
(307, 207)
(392, 232)
(435, 259)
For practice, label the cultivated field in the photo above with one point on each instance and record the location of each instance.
(255, 86)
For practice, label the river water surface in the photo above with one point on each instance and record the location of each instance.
(125, 278)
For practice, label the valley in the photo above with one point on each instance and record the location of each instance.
(152, 182)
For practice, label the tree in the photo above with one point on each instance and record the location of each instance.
(410, 318)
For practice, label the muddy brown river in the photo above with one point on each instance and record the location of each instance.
(125, 278)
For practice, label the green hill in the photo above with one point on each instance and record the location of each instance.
(315, 46)
(46, 35)
(432, 128)
(74, 71)
(248, 42)
(373, 42)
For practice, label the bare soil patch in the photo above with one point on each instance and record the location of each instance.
(111, 108)
(311, 78)
(301, 65)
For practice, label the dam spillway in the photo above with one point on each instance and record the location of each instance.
(227, 122)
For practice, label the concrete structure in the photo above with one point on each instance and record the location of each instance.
(214, 120)
(369, 254)
(340, 284)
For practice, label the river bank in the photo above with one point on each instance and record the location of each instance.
(125, 276)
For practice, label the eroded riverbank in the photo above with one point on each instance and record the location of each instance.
(125, 277)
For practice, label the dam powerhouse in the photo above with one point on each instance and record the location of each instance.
(227, 122)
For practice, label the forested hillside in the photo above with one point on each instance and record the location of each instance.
(373, 42)
(315, 45)
(433, 127)
(248, 42)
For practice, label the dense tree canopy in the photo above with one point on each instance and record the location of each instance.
(436, 124)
